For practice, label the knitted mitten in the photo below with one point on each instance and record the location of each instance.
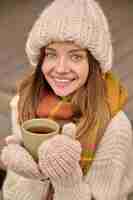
(17, 159)
(59, 160)
(13, 139)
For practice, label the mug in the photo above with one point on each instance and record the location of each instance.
(36, 131)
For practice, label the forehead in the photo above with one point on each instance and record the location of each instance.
(64, 45)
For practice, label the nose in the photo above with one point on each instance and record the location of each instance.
(61, 66)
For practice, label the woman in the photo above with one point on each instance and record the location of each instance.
(71, 49)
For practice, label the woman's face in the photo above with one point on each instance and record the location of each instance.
(65, 67)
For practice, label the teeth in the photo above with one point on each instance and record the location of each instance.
(62, 80)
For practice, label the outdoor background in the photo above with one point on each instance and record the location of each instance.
(16, 20)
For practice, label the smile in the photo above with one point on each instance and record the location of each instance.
(62, 82)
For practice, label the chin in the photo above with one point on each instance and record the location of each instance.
(62, 93)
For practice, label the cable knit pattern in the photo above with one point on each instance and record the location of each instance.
(71, 187)
(59, 160)
(18, 188)
(81, 21)
(109, 178)
(109, 171)
(59, 156)
(17, 159)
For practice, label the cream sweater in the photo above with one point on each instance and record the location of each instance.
(109, 178)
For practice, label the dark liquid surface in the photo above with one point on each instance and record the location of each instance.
(40, 130)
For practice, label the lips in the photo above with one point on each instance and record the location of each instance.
(62, 82)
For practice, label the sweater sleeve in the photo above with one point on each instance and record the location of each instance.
(14, 117)
(107, 176)
(15, 186)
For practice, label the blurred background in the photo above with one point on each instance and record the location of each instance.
(16, 20)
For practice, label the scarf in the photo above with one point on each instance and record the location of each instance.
(56, 108)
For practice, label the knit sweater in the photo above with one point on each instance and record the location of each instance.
(110, 176)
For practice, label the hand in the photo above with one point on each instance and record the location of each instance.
(13, 139)
(17, 159)
(59, 156)
(59, 160)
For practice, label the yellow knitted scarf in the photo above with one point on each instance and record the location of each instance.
(117, 98)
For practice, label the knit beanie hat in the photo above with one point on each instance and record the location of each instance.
(80, 21)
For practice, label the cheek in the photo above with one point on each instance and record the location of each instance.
(83, 71)
(45, 68)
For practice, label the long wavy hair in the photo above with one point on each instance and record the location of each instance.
(90, 99)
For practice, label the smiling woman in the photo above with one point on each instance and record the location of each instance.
(71, 82)
(65, 67)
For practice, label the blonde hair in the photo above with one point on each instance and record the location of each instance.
(93, 106)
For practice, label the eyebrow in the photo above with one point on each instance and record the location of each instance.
(71, 51)
(50, 49)
(76, 50)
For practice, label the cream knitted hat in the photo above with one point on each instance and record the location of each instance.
(81, 21)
